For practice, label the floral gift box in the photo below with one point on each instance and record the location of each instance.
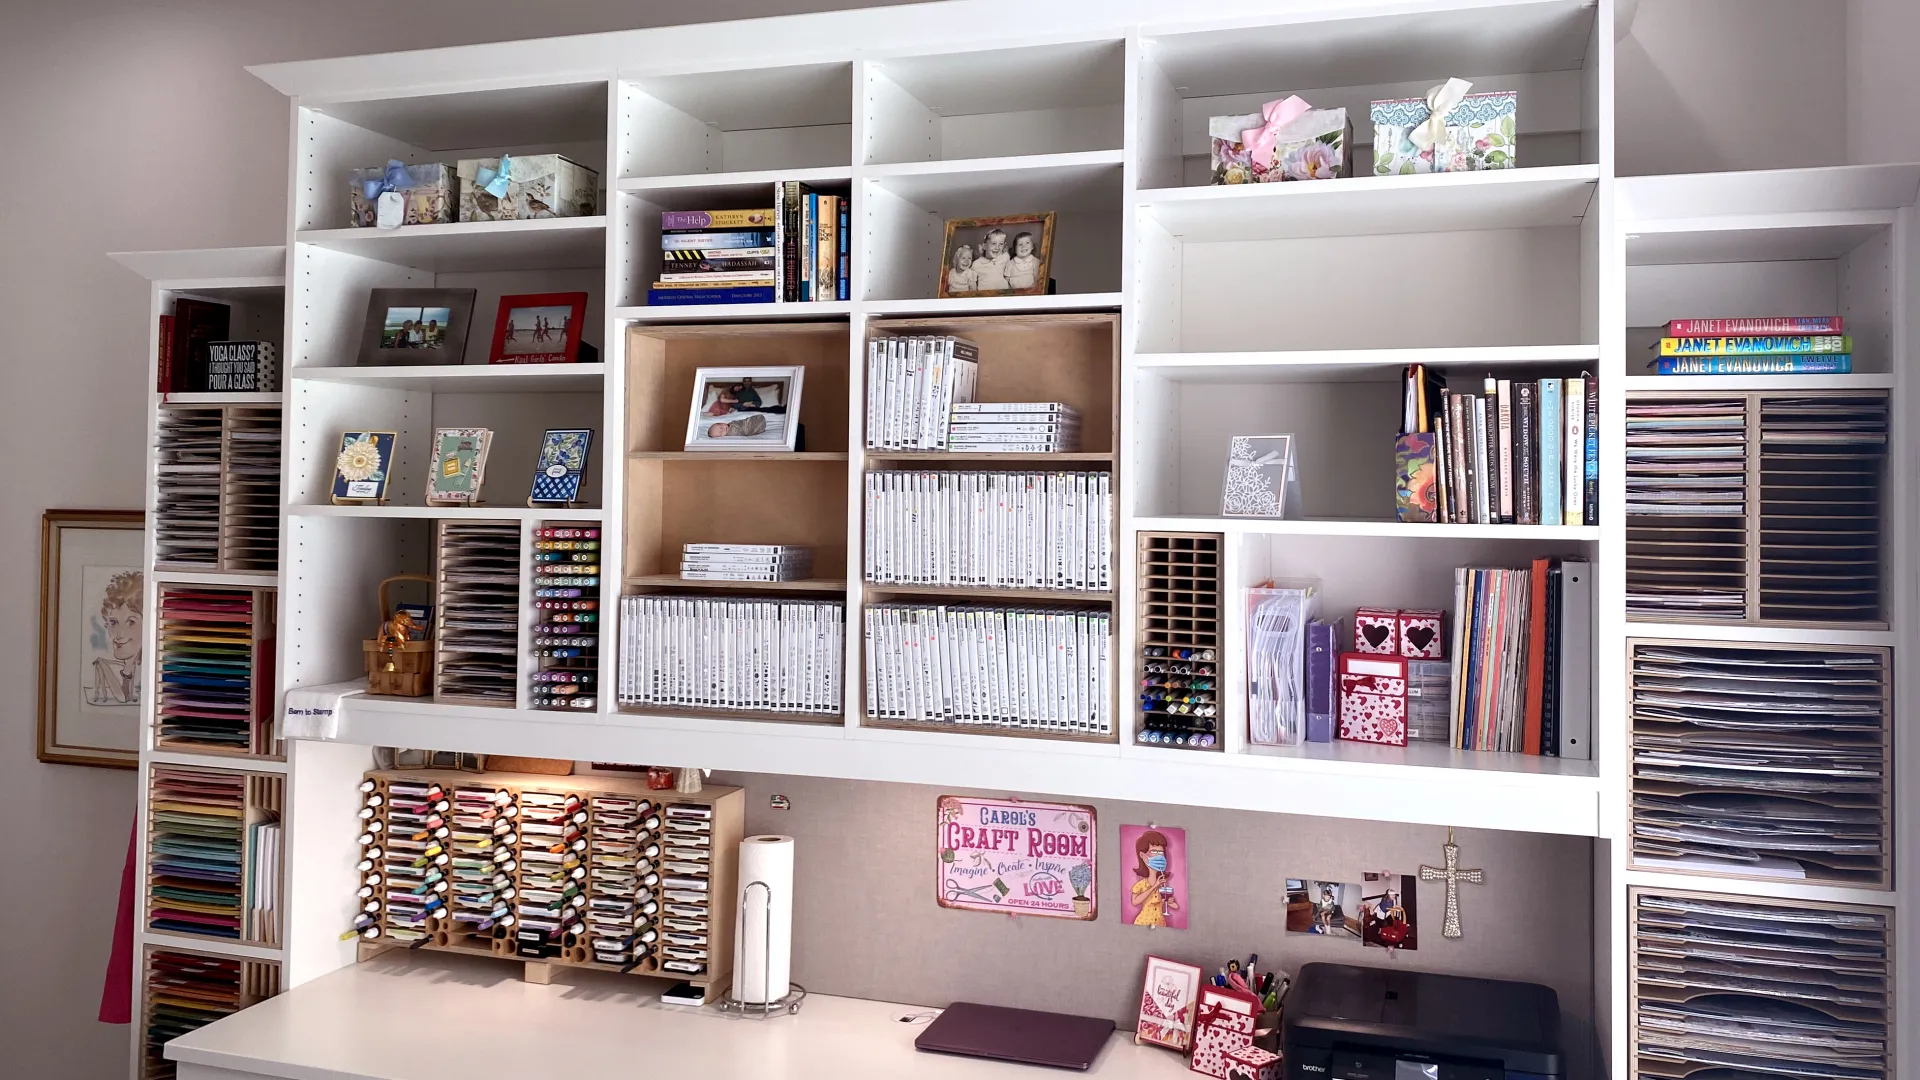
(1472, 132)
(530, 186)
(1287, 140)
(426, 193)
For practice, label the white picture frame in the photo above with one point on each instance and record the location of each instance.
(719, 420)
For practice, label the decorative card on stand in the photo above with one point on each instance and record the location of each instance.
(1376, 630)
(1262, 479)
(1449, 130)
(1373, 699)
(1166, 1004)
(1286, 140)
(1419, 634)
(1224, 1021)
(459, 462)
(563, 461)
(361, 469)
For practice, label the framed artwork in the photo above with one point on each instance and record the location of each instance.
(1166, 1004)
(1016, 857)
(92, 636)
(1262, 478)
(540, 328)
(738, 409)
(997, 256)
(416, 327)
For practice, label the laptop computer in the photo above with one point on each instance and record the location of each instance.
(1018, 1035)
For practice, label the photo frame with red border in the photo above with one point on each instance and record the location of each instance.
(569, 348)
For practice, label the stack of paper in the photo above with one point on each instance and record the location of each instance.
(1686, 509)
(1821, 463)
(685, 889)
(745, 562)
(195, 823)
(776, 656)
(206, 683)
(478, 641)
(1026, 669)
(1732, 989)
(1760, 761)
(187, 499)
(263, 881)
(250, 525)
(185, 992)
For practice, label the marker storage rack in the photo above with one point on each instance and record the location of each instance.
(1179, 613)
(566, 624)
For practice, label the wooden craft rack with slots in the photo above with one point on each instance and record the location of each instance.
(728, 805)
(262, 798)
(255, 981)
(263, 740)
(1179, 605)
(231, 517)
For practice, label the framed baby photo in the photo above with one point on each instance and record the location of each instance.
(997, 256)
(541, 328)
(416, 327)
(738, 409)
(92, 636)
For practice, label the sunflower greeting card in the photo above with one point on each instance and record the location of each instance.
(360, 472)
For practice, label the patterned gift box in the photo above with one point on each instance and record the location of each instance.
(1419, 634)
(1299, 143)
(1478, 132)
(531, 186)
(427, 191)
(1373, 699)
(1223, 1021)
(1252, 1063)
(1376, 630)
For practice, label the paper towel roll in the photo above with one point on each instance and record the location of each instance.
(763, 947)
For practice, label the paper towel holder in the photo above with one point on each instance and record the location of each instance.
(760, 1010)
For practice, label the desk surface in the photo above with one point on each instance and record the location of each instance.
(427, 1017)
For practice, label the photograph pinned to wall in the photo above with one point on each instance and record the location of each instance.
(416, 327)
(1323, 908)
(1263, 478)
(361, 468)
(541, 328)
(1155, 892)
(1389, 910)
(1016, 857)
(92, 601)
(1167, 1001)
(997, 256)
(563, 461)
(459, 466)
(741, 409)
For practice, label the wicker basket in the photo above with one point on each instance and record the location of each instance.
(408, 670)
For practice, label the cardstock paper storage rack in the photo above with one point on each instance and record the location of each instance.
(215, 647)
(219, 488)
(182, 990)
(200, 824)
(723, 809)
(1180, 621)
(477, 612)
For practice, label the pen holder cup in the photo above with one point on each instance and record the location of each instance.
(1266, 1031)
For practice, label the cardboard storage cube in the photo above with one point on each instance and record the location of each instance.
(529, 186)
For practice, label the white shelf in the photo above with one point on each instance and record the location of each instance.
(1375, 205)
(994, 305)
(449, 513)
(1784, 888)
(536, 244)
(216, 761)
(262, 398)
(1400, 530)
(1757, 238)
(1634, 383)
(209, 268)
(825, 309)
(1081, 183)
(219, 946)
(1741, 632)
(467, 378)
(696, 183)
(1351, 365)
(1647, 200)
(240, 579)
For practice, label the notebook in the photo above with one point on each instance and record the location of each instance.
(1019, 1035)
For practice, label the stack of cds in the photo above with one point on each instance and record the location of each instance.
(1429, 700)
(745, 562)
(1014, 427)
(620, 912)
(552, 872)
(776, 656)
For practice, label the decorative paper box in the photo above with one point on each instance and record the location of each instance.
(1419, 634)
(1478, 133)
(427, 190)
(1294, 142)
(534, 186)
(1373, 699)
(1252, 1063)
(1376, 630)
(1223, 1021)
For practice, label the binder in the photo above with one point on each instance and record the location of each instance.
(1323, 647)
(1576, 660)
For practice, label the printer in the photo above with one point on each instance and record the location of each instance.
(1357, 1023)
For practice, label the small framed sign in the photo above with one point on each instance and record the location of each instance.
(1012, 856)
(1262, 478)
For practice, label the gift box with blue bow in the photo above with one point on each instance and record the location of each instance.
(508, 188)
(426, 193)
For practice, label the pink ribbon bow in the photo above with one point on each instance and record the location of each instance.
(1278, 114)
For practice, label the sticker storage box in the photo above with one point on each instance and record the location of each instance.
(531, 186)
(427, 191)
(1476, 131)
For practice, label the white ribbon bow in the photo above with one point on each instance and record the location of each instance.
(1440, 101)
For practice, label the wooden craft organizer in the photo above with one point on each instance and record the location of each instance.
(260, 798)
(248, 517)
(1179, 606)
(239, 984)
(727, 827)
(263, 741)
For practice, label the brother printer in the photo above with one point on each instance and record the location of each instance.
(1356, 1023)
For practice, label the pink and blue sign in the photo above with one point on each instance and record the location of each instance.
(1022, 858)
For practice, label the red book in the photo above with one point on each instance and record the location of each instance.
(166, 355)
(1789, 324)
(1536, 655)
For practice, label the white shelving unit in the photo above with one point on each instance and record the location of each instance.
(1247, 310)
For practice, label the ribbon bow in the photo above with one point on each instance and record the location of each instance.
(494, 181)
(1260, 141)
(398, 177)
(1440, 101)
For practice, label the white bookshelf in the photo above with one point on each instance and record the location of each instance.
(1241, 310)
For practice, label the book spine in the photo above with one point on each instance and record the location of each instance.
(842, 263)
(164, 354)
(1783, 344)
(1828, 364)
(1550, 434)
(1572, 495)
(803, 256)
(1503, 388)
(721, 239)
(1526, 419)
(1456, 413)
(710, 220)
(828, 285)
(790, 243)
(754, 275)
(1590, 491)
(1442, 463)
(1536, 657)
(676, 256)
(1821, 324)
(1490, 440)
(755, 294)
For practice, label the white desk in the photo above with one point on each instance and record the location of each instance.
(434, 1016)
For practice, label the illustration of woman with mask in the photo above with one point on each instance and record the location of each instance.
(1153, 885)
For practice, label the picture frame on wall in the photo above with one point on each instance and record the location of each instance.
(416, 327)
(741, 409)
(541, 328)
(997, 256)
(93, 602)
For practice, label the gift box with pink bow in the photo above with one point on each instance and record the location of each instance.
(1286, 140)
(1449, 130)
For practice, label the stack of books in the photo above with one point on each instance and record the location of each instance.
(1014, 427)
(1788, 345)
(914, 386)
(1522, 452)
(1522, 659)
(794, 251)
(745, 562)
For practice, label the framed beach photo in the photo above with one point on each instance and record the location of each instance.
(92, 636)
(737, 409)
(997, 256)
(541, 328)
(416, 327)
